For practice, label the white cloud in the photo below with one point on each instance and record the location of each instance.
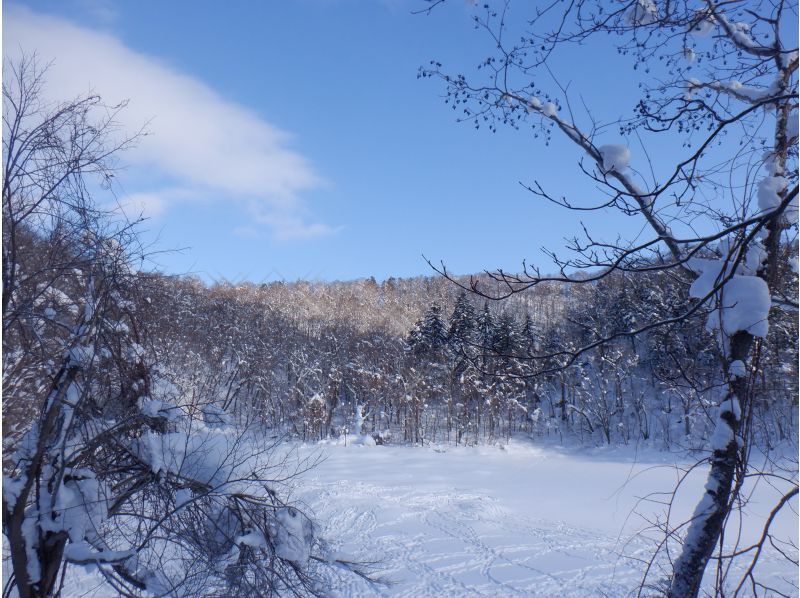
(200, 142)
(146, 205)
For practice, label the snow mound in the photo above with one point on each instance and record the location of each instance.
(293, 536)
(615, 157)
(769, 190)
(737, 369)
(744, 304)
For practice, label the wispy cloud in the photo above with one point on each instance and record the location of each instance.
(200, 143)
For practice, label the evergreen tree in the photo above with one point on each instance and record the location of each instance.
(462, 322)
(429, 333)
(507, 336)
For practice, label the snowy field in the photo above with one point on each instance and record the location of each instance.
(522, 520)
(519, 520)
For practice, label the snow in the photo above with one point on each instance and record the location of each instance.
(768, 192)
(252, 538)
(615, 157)
(754, 258)
(535, 102)
(743, 302)
(215, 416)
(738, 31)
(81, 355)
(744, 305)
(293, 536)
(80, 506)
(12, 486)
(155, 408)
(703, 27)
(689, 88)
(550, 109)
(644, 12)
(524, 520)
(722, 437)
(731, 406)
(30, 533)
(83, 553)
(518, 520)
(737, 369)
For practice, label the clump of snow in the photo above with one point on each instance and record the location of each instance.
(738, 31)
(81, 552)
(731, 406)
(690, 86)
(737, 369)
(688, 54)
(744, 304)
(769, 190)
(550, 109)
(12, 486)
(644, 12)
(134, 352)
(722, 437)
(81, 355)
(293, 536)
(703, 27)
(253, 538)
(535, 102)
(755, 256)
(79, 508)
(616, 157)
(155, 408)
(792, 211)
(30, 534)
(207, 456)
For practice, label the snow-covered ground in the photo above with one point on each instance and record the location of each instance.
(519, 520)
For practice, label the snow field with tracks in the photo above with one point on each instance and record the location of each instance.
(513, 521)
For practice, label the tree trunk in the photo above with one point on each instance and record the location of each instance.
(709, 517)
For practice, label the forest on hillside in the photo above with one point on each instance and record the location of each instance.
(422, 360)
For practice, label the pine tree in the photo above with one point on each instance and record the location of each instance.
(506, 337)
(429, 333)
(462, 322)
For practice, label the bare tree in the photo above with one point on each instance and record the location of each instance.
(106, 462)
(722, 78)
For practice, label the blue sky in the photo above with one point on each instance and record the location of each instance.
(294, 140)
